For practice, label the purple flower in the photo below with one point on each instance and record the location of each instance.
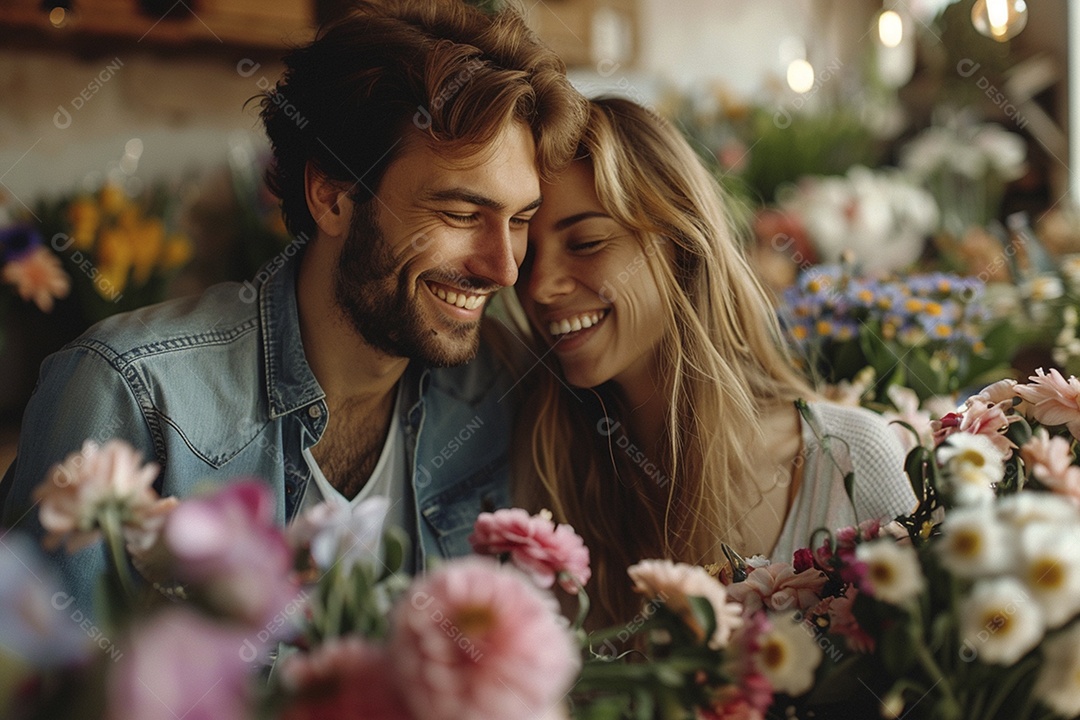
(230, 554)
(40, 623)
(17, 241)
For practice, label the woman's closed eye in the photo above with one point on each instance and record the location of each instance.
(585, 246)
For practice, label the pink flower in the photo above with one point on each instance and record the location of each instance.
(1050, 460)
(229, 550)
(674, 583)
(907, 410)
(982, 418)
(1053, 399)
(37, 276)
(474, 639)
(92, 481)
(536, 545)
(842, 622)
(181, 665)
(779, 587)
(999, 392)
(748, 700)
(343, 677)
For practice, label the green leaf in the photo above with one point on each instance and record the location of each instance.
(915, 466)
(704, 614)
(395, 546)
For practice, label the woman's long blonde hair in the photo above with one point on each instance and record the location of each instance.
(721, 361)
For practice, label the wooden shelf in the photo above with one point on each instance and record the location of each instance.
(105, 26)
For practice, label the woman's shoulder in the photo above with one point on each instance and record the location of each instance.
(861, 434)
(849, 422)
(873, 450)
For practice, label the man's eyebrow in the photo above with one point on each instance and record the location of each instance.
(467, 196)
(574, 219)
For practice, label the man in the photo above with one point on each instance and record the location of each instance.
(408, 141)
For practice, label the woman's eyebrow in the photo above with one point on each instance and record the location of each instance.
(573, 219)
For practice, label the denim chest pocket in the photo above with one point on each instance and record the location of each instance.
(452, 513)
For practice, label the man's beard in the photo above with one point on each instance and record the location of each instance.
(374, 294)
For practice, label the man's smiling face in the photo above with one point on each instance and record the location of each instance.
(441, 235)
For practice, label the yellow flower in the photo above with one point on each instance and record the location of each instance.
(112, 199)
(114, 262)
(913, 305)
(84, 217)
(146, 238)
(932, 308)
(177, 253)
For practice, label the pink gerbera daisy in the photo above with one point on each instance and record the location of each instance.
(475, 639)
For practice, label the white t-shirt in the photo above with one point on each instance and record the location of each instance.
(388, 479)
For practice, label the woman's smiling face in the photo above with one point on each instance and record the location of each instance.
(587, 285)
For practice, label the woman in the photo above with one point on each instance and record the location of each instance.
(668, 424)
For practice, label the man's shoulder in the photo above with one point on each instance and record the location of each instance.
(219, 316)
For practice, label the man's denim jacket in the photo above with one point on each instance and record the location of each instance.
(217, 387)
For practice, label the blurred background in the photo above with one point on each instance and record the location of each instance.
(902, 168)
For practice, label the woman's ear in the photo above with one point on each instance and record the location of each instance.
(328, 203)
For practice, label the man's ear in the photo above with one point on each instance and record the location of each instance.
(327, 202)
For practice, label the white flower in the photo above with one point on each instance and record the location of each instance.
(788, 655)
(975, 543)
(1051, 569)
(1000, 621)
(1058, 684)
(893, 570)
(1024, 508)
(878, 215)
(337, 532)
(972, 465)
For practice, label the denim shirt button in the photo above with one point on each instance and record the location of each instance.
(315, 411)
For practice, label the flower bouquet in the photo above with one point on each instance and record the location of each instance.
(121, 251)
(970, 606)
(925, 332)
(236, 618)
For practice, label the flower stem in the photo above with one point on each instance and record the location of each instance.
(110, 527)
(583, 608)
(926, 659)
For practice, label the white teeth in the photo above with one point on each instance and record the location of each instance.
(578, 322)
(461, 300)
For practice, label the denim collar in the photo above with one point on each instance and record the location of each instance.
(290, 384)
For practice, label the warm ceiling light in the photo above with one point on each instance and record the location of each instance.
(999, 20)
(800, 76)
(890, 28)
